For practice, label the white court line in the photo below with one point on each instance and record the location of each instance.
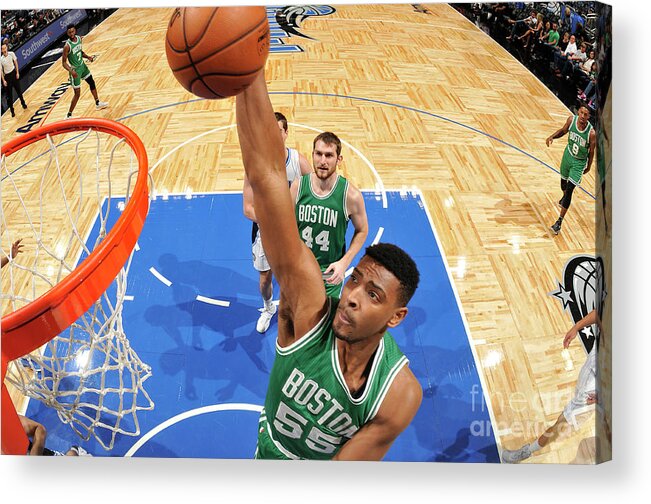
(154, 272)
(189, 414)
(378, 236)
(379, 184)
(212, 301)
(128, 298)
(480, 369)
(189, 140)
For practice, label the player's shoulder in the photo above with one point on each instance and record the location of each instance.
(403, 399)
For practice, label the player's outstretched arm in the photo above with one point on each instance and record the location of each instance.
(560, 132)
(398, 409)
(303, 299)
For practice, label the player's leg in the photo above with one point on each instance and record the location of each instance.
(93, 89)
(567, 185)
(75, 99)
(261, 264)
(16, 85)
(10, 96)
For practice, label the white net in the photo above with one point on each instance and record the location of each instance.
(59, 199)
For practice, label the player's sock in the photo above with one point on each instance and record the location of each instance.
(97, 102)
(268, 303)
(534, 447)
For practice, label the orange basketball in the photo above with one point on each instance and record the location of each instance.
(217, 52)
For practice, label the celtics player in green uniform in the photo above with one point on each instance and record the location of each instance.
(73, 62)
(577, 157)
(324, 204)
(340, 388)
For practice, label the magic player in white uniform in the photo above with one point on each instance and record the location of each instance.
(585, 394)
(296, 165)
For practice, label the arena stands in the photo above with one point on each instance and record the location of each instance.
(554, 40)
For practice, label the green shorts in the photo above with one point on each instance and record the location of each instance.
(82, 74)
(333, 290)
(572, 168)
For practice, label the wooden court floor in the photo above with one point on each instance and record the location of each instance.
(426, 100)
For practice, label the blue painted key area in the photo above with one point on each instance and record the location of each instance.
(210, 367)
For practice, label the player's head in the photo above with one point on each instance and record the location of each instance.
(375, 296)
(71, 30)
(584, 116)
(282, 124)
(326, 154)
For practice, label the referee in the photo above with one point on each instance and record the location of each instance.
(10, 76)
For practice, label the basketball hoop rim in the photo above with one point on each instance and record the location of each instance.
(32, 325)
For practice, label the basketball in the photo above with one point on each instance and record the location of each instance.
(217, 52)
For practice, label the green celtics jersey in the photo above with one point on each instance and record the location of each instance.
(322, 220)
(74, 56)
(309, 412)
(578, 141)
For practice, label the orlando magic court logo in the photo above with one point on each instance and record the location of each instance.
(285, 22)
(582, 291)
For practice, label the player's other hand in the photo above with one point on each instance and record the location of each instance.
(549, 141)
(336, 272)
(571, 334)
(592, 398)
(74, 73)
(16, 248)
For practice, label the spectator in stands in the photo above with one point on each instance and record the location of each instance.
(534, 30)
(583, 76)
(574, 61)
(523, 24)
(566, 20)
(560, 58)
(588, 94)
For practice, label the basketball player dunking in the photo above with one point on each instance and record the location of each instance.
(340, 386)
(325, 203)
(295, 165)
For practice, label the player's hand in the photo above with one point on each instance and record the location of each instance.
(336, 270)
(91, 58)
(549, 141)
(571, 334)
(592, 398)
(586, 170)
(16, 248)
(74, 73)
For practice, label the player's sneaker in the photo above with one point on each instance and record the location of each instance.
(80, 451)
(265, 319)
(101, 105)
(556, 227)
(515, 456)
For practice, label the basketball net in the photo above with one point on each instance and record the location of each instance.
(88, 373)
